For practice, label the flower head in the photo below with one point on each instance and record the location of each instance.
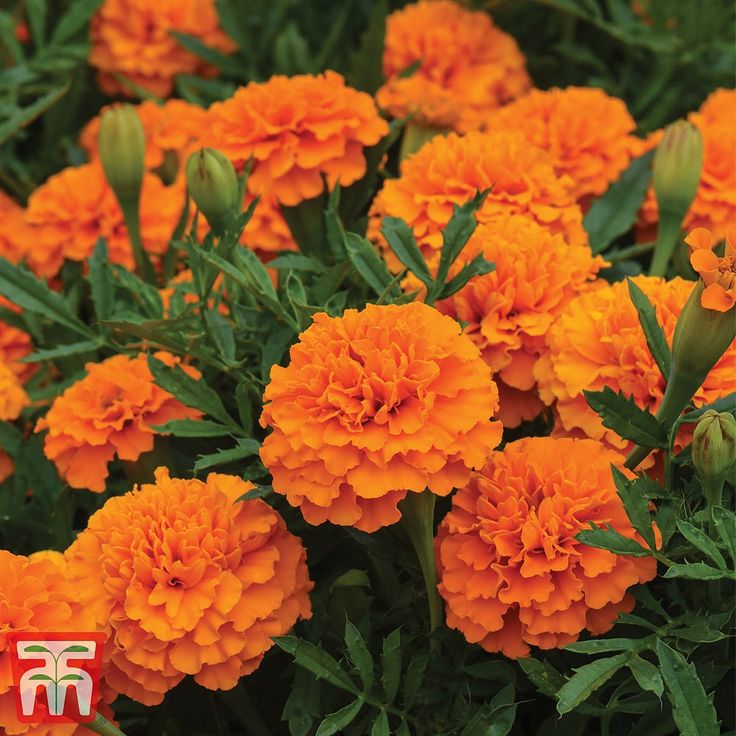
(373, 405)
(14, 240)
(588, 134)
(13, 398)
(297, 130)
(467, 66)
(110, 412)
(512, 572)
(266, 232)
(508, 311)
(133, 39)
(189, 580)
(16, 344)
(718, 274)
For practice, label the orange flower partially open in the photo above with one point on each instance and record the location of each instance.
(188, 580)
(373, 405)
(467, 66)
(588, 134)
(718, 274)
(511, 571)
(508, 311)
(110, 412)
(133, 39)
(297, 130)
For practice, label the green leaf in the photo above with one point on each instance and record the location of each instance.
(245, 448)
(64, 351)
(692, 711)
(369, 264)
(635, 504)
(70, 677)
(586, 680)
(646, 675)
(317, 661)
(194, 428)
(297, 262)
(653, 332)
(10, 438)
(366, 72)
(359, 655)
(226, 64)
(698, 571)
(702, 541)
(725, 524)
(100, 281)
(340, 719)
(221, 332)
(36, 14)
(414, 678)
(597, 646)
(624, 417)
(41, 677)
(725, 403)
(403, 243)
(36, 648)
(615, 212)
(73, 21)
(542, 674)
(380, 725)
(611, 540)
(495, 718)
(391, 659)
(478, 266)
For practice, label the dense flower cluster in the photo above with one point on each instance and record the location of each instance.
(110, 412)
(189, 580)
(374, 405)
(718, 274)
(512, 572)
(466, 66)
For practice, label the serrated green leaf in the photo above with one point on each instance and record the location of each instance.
(221, 332)
(542, 674)
(368, 264)
(611, 540)
(598, 646)
(380, 725)
(635, 504)
(359, 655)
(698, 571)
(413, 678)
(702, 541)
(646, 675)
(586, 680)
(725, 524)
(194, 428)
(340, 719)
(653, 332)
(402, 242)
(478, 266)
(245, 448)
(297, 262)
(391, 661)
(64, 351)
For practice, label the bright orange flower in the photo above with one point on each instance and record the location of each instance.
(13, 398)
(133, 39)
(450, 170)
(189, 580)
(508, 312)
(588, 134)
(297, 130)
(14, 239)
(76, 207)
(110, 412)
(267, 231)
(718, 274)
(14, 345)
(467, 66)
(7, 466)
(512, 573)
(373, 405)
(597, 341)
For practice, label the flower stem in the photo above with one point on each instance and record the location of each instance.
(143, 264)
(417, 514)
(668, 234)
(103, 727)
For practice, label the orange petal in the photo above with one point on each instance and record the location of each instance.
(716, 297)
(699, 238)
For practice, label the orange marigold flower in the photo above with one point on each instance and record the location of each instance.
(35, 595)
(297, 130)
(598, 341)
(267, 231)
(373, 405)
(14, 236)
(511, 571)
(14, 345)
(508, 312)
(467, 66)
(190, 581)
(133, 39)
(7, 466)
(13, 398)
(718, 274)
(76, 207)
(588, 134)
(450, 170)
(109, 412)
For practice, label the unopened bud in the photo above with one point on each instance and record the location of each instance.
(677, 164)
(122, 147)
(714, 445)
(213, 185)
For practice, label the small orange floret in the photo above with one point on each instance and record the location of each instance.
(297, 130)
(467, 66)
(110, 412)
(13, 398)
(133, 39)
(718, 274)
(588, 134)
(512, 573)
(373, 405)
(189, 580)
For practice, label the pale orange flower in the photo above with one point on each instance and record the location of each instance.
(512, 573)
(588, 134)
(188, 580)
(508, 311)
(297, 130)
(374, 405)
(133, 39)
(467, 66)
(718, 274)
(110, 412)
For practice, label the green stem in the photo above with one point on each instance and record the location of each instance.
(240, 703)
(668, 234)
(143, 264)
(417, 514)
(103, 727)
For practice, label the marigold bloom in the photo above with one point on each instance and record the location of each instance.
(13, 398)
(450, 170)
(14, 345)
(76, 207)
(266, 232)
(190, 581)
(14, 239)
(297, 130)
(132, 38)
(512, 573)
(467, 66)
(110, 412)
(597, 341)
(718, 274)
(508, 311)
(373, 405)
(587, 133)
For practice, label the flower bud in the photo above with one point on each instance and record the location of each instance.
(213, 185)
(677, 164)
(122, 147)
(714, 445)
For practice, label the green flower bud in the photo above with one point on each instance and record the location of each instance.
(214, 187)
(122, 148)
(714, 448)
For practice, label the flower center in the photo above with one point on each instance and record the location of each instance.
(727, 272)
